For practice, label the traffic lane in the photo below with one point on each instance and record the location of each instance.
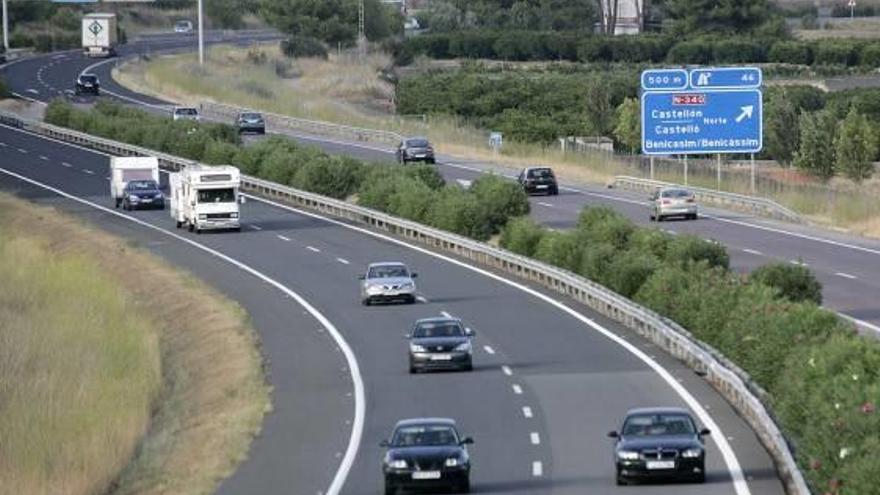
(323, 273)
(310, 396)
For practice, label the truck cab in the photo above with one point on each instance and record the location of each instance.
(206, 198)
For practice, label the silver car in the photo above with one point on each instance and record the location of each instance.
(185, 113)
(388, 282)
(673, 202)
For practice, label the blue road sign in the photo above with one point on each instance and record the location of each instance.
(702, 122)
(664, 79)
(726, 78)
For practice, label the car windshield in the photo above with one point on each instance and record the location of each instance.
(186, 111)
(142, 185)
(217, 195)
(183, 24)
(653, 425)
(424, 435)
(251, 116)
(675, 193)
(417, 143)
(438, 329)
(88, 79)
(543, 173)
(388, 271)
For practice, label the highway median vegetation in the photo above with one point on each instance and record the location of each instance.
(822, 380)
(109, 376)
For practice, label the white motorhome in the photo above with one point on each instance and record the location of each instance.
(99, 35)
(124, 169)
(205, 198)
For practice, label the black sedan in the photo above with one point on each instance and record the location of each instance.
(88, 83)
(142, 194)
(440, 343)
(538, 180)
(661, 443)
(426, 453)
(250, 122)
(414, 150)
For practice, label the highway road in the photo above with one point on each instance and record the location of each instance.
(847, 265)
(551, 378)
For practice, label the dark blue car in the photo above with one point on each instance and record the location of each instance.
(142, 194)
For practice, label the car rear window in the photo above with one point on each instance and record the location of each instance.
(675, 193)
(89, 79)
(186, 111)
(543, 173)
(251, 116)
(418, 143)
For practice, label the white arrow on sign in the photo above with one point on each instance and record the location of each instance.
(746, 113)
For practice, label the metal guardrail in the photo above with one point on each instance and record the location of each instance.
(742, 202)
(221, 111)
(724, 376)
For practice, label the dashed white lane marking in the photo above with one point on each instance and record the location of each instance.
(537, 469)
(798, 262)
(283, 238)
(846, 275)
(22, 150)
(671, 232)
(343, 261)
(527, 411)
(753, 251)
(66, 164)
(2, 144)
(422, 299)
(548, 205)
(313, 249)
(489, 350)
(516, 389)
(32, 91)
(44, 158)
(87, 171)
(535, 438)
(446, 314)
(256, 227)
(507, 371)
(107, 178)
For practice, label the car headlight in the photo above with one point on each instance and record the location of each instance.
(417, 348)
(463, 347)
(374, 288)
(452, 462)
(407, 285)
(133, 198)
(233, 215)
(627, 455)
(159, 195)
(692, 453)
(397, 464)
(203, 216)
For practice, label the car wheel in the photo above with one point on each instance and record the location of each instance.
(700, 478)
(178, 224)
(554, 191)
(190, 226)
(651, 217)
(413, 370)
(659, 218)
(621, 481)
(465, 486)
(431, 161)
(694, 216)
(469, 366)
(390, 489)
(411, 299)
(118, 202)
(365, 301)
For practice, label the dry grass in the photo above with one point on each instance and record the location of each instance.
(344, 91)
(92, 359)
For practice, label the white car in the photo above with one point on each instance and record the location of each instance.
(183, 27)
(388, 282)
(673, 202)
(185, 113)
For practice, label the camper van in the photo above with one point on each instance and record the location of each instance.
(205, 198)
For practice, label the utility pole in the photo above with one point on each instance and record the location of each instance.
(5, 27)
(201, 34)
(362, 37)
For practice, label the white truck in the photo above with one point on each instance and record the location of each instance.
(99, 35)
(124, 169)
(205, 198)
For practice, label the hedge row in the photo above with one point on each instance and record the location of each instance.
(415, 192)
(823, 380)
(645, 48)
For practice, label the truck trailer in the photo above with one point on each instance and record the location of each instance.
(205, 198)
(99, 36)
(124, 169)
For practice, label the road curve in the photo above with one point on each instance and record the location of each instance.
(547, 385)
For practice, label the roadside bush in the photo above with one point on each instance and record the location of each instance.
(218, 153)
(738, 51)
(836, 52)
(686, 249)
(869, 56)
(560, 249)
(629, 270)
(521, 236)
(791, 52)
(303, 46)
(334, 176)
(4, 89)
(690, 52)
(793, 282)
(499, 200)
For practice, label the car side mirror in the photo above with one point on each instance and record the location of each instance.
(362, 277)
(414, 275)
(384, 443)
(613, 434)
(242, 199)
(466, 441)
(469, 332)
(705, 431)
(407, 336)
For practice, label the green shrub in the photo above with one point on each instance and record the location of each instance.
(604, 225)
(58, 112)
(791, 52)
(834, 52)
(690, 52)
(686, 249)
(560, 249)
(219, 153)
(411, 199)
(458, 211)
(869, 56)
(499, 200)
(329, 175)
(521, 235)
(794, 282)
(303, 46)
(738, 51)
(628, 271)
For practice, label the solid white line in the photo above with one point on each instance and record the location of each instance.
(283, 238)
(798, 262)
(507, 371)
(535, 438)
(256, 227)
(861, 323)
(117, 95)
(66, 164)
(537, 469)
(489, 349)
(446, 314)
(753, 251)
(846, 275)
(548, 205)
(44, 158)
(88, 171)
(354, 369)
(422, 299)
(342, 260)
(517, 389)
(22, 150)
(2, 144)
(32, 91)
(313, 249)
(527, 411)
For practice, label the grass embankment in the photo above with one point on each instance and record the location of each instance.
(342, 90)
(118, 374)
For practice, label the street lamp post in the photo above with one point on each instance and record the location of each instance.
(201, 35)
(5, 27)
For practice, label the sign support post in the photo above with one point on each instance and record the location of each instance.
(718, 171)
(685, 170)
(652, 166)
(201, 34)
(5, 27)
(753, 174)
